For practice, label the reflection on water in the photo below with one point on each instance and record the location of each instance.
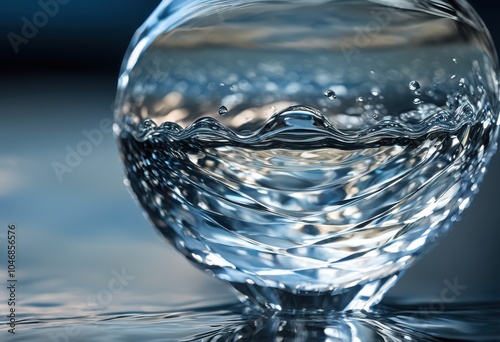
(235, 323)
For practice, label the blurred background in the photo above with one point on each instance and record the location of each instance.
(75, 231)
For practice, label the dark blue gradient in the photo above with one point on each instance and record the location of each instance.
(74, 232)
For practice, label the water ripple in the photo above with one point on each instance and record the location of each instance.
(389, 322)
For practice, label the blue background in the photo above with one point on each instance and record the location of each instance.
(72, 233)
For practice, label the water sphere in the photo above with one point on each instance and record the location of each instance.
(358, 131)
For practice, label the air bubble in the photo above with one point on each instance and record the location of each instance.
(330, 94)
(414, 85)
(223, 110)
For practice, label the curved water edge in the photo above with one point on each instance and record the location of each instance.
(178, 12)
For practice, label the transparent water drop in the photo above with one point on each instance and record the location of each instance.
(223, 110)
(330, 94)
(414, 85)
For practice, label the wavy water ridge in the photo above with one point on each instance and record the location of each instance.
(313, 127)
